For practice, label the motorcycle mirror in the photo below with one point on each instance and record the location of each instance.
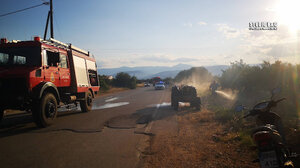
(239, 108)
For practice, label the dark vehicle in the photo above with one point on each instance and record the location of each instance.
(269, 135)
(185, 94)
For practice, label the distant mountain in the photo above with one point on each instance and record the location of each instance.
(216, 69)
(146, 72)
(165, 74)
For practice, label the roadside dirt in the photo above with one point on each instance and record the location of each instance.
(111, 91)
(199, 141)
(116, 90)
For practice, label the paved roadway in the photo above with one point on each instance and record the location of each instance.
(114, 134)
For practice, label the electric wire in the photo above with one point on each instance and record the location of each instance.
(20, 10)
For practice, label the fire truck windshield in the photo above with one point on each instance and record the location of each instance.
(18, 56)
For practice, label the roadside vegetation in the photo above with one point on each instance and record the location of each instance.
(253, 84)
(243, 84)
(121, 81)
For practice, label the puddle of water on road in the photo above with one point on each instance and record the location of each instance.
(110, 105)
(111, 99)
(164, 104)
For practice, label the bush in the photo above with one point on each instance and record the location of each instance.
(123, 79)
(104, 82)
(254, 84)
(132, 84)
(246, 139)
(223, 115)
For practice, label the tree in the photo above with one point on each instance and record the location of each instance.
(123, 79)
(104, 82)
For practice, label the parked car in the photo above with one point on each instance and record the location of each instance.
(147, 84)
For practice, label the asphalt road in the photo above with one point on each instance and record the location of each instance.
(114, 134)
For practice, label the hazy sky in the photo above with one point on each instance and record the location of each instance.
(163, 32)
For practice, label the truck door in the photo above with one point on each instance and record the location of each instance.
(64, 71)
(51, 69)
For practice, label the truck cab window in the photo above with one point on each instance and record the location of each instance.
(63, 61)
(93, 77)
(4, 58)
(52, 58)
(19, 60)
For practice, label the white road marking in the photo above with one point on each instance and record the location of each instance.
(111, 99)
(163, 104)
(110, 105)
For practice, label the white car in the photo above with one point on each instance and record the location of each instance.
(159, 86)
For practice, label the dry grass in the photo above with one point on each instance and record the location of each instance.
(112, 90)
(140, 85)
(199, 142)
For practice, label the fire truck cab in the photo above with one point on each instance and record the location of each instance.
(43, 75)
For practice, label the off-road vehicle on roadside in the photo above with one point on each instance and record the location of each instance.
(42, 75)
(185, 94)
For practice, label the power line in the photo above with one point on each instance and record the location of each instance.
(44, 3)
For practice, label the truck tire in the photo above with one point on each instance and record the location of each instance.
(172, 99)
(175, 104)
(1, 114)
(45, 110)
(87, 103)
(196, 102)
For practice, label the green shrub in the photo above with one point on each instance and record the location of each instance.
(104, 83)
(246, 139)
(123, 79)
(254, 84)
(223, 115)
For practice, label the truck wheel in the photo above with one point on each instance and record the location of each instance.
(45, 111)
(1, 114)
(87, 103)
(175, 104)
(196, 102)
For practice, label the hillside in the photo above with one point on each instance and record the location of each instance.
(145, 72)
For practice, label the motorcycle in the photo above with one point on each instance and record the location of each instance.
(269, 135)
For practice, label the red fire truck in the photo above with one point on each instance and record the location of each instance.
(43, 75)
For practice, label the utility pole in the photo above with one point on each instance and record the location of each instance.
(49, 17)
(51, 23)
